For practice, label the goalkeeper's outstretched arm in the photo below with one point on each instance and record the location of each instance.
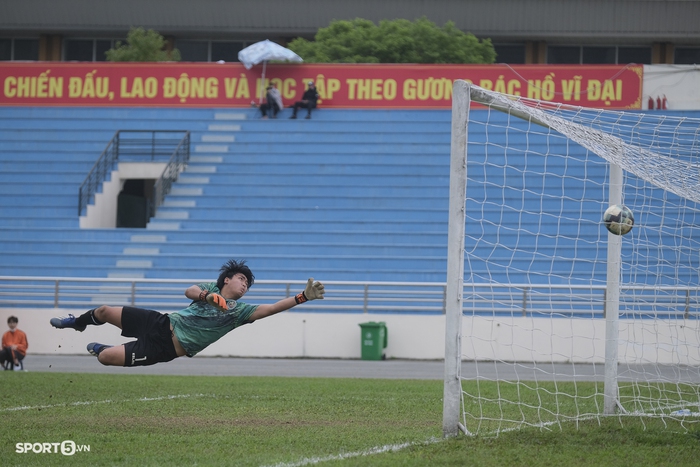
(314, 290)
(217, 301)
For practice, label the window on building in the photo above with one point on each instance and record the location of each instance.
(5, 49)
(26, 49)
(193, 51)
(510, 53)
(87, 50)
(598, 55)
(226, 51)
(209, 51)
(102, 46)
(687, 55)
(640, 55)
(80, 50)
(563, 54)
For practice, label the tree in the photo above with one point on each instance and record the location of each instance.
(397, 41)
(142, 46)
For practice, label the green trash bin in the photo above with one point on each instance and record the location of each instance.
(374, 340)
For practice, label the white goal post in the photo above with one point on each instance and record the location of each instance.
(549, 317)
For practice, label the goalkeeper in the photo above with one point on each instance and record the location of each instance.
(160, 337)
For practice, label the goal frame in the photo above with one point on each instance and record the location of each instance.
(454, 288)
(462, 96)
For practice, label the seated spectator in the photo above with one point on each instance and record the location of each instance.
(14, 346)
(273, 102)
(308, 101)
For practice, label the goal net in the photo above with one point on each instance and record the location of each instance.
(550, 318)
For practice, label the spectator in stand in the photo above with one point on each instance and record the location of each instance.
(308, 101)
(14, 346)
(273, 102)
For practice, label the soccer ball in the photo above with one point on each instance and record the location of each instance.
(618, 219)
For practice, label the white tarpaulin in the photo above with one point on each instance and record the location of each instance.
(262, 52)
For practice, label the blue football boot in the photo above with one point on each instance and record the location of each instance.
(66, 322)
(95, 349)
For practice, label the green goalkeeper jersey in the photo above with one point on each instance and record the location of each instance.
(201, 324)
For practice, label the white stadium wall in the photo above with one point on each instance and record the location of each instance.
(415, 337)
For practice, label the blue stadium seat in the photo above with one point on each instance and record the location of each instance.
(356, 195)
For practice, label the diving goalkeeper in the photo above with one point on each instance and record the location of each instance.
(214, 312)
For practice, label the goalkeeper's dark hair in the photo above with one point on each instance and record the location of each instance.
(233, 267)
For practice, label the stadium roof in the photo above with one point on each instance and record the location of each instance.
(650, 20)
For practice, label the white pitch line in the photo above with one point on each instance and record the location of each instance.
(349, 455)
(383, 449)
(108, 401)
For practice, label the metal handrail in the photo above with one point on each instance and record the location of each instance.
(98, 172)
(177, 163)
(514, 300)
(132, 145)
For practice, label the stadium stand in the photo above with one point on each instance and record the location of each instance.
(352, 195)
(349, 195)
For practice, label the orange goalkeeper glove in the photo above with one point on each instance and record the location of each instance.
(214, 299)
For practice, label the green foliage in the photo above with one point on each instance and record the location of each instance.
(142, 46)
(397, 41)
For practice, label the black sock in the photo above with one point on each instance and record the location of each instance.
(88, 318)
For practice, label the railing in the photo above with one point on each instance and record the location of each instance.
(98, 173)
(132, 146)
(177, 163)
(361, 297)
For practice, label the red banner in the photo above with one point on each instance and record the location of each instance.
(344, 86)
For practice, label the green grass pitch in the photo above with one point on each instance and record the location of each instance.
(284, 422)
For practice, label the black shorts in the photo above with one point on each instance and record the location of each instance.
(154, 342)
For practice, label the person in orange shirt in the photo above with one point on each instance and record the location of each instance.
(14, 345)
